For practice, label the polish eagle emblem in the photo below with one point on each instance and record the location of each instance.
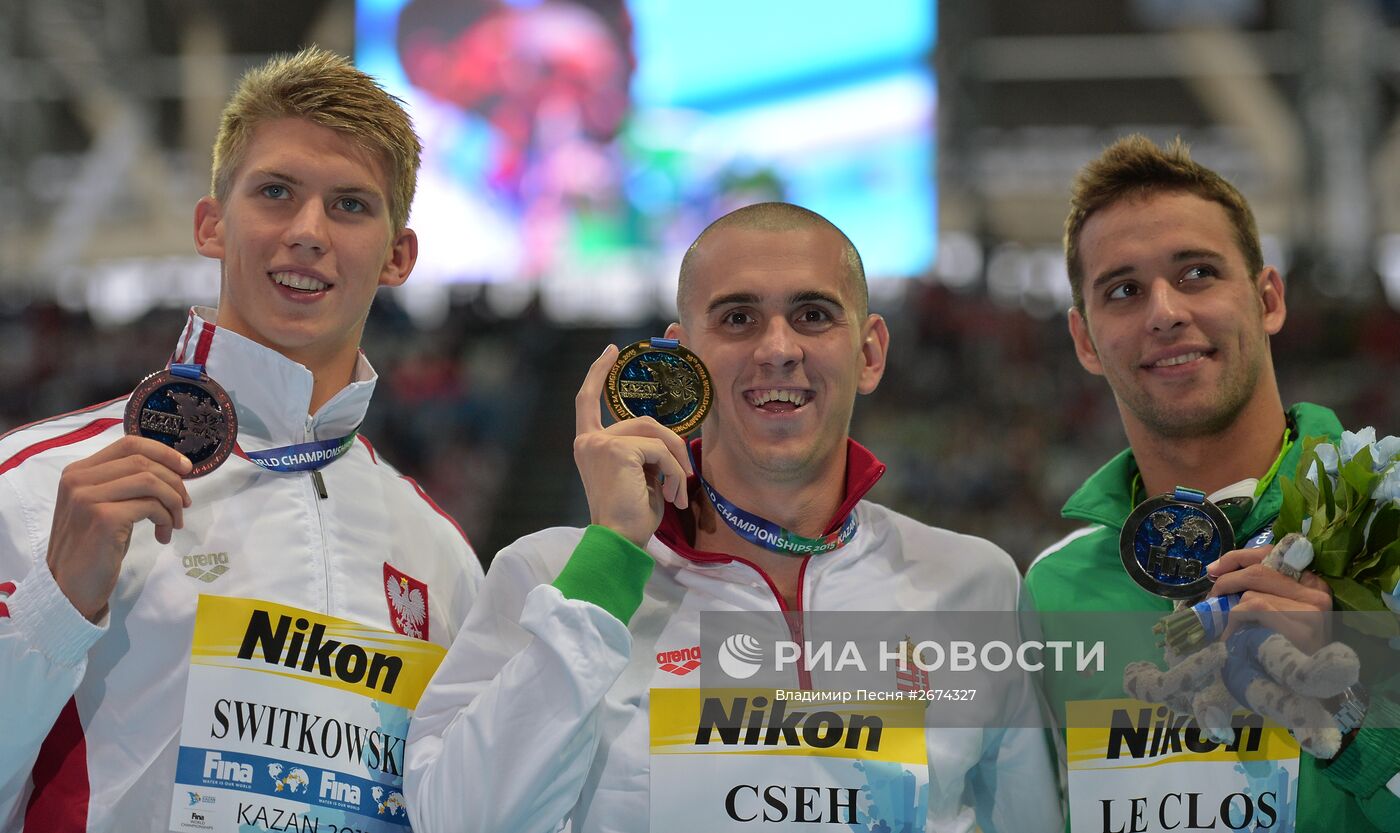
(408, 603)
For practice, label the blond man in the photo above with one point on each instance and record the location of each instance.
(106, 543)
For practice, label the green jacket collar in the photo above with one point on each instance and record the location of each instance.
(1107, 496)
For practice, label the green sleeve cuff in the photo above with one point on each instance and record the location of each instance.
(608, 571)
(1373, 756)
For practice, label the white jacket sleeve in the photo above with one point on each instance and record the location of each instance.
(506, 732)
(44, 642)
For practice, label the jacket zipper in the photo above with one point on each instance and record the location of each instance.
(318, 485)
(793, 618)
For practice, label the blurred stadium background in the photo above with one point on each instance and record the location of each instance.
(576, 146)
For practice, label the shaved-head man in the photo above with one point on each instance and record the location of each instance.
(566, 697)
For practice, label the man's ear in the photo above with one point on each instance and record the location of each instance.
(209, 228)
(403, 254)
(874, 350)
(1271, 296)
(676, 331)
(1083, 343)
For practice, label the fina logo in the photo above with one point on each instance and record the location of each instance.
(740, 656)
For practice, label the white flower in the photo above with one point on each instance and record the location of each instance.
(1389, 487)
(1299, 554)
(1327, 453)
(1352, 443)
(1386, 450)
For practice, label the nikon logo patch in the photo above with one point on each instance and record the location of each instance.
(1152, 735)
(745, 724)
(297, 643)
(206, 567)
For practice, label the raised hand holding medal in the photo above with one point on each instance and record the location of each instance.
(663, 380)
(178, 425)
(631, 468)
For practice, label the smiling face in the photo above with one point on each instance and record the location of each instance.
(776, 317)
(305, 239)
(1172, 318)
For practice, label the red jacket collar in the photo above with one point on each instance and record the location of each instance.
(677, 528)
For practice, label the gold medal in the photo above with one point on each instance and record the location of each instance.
(663, 380)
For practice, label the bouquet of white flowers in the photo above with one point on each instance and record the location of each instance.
(1340, 518)
(1346, 502)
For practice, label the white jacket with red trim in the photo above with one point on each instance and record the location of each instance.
(92, 713)
(539, 713)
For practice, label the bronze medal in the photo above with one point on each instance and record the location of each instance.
(185, 409)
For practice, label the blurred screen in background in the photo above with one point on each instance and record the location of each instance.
(586, 143)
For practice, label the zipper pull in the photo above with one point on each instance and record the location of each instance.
(320, 484)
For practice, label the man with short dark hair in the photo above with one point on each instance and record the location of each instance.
(1174, 307)
(572, 693)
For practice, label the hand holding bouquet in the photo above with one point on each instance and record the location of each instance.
(1341, 519)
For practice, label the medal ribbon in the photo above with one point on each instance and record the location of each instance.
(1214, 611)
(770, 536)
(296, 457)
(302, 456)
(188, 371)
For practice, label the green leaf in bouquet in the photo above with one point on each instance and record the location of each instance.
(1306, 458)
(1390, 576)
(1364, 565)
(1351, 594)
(1356, 539)
(1356, 473)
(1308, 489)
(1381, 563)
(1330, 551)
(1354, 485)
(1324, 508)
(1385, 527)
(1309, 462)
(1290, 515)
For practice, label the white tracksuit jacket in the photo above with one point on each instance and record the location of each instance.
(539, 713)
(108, 698)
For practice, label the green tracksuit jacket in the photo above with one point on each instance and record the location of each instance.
(1083, 572)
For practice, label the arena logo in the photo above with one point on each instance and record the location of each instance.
(206, 567)
(679, 662)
